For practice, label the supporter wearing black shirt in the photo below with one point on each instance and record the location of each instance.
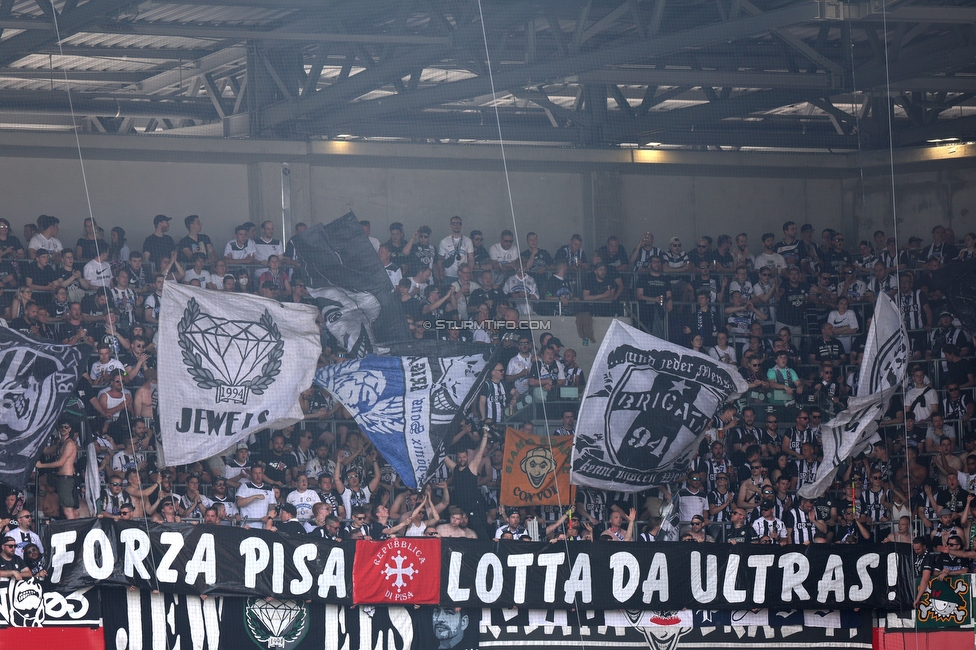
(465, 491)
(614, 255)
(41, 276)
(599, 286)
(826, 347)
(277, 461)
(792, 299)
(739, 532)
(791, 248)
(488, 294)
(836, 258)
(159, 245)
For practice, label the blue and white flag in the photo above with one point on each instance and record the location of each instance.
(230, 364)
(853, 430)
(36, 379)
(647, 405)
(406, 405)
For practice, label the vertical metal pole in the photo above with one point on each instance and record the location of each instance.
(286, 227)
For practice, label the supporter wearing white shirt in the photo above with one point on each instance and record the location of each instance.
(98, 272)
(504, 255)
(46, 239)
(254, 498)
(241, 248)
(303, 499)
(266, 245)
(454, 250)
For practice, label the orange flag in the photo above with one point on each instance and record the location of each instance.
(535, 472)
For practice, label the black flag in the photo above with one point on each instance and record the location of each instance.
(352, 289)
(36, 379)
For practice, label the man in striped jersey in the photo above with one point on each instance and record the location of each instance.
(916, 313)
(492, 397)
(768, 527)
(802, 523)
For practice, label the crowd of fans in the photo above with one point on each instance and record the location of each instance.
(791, 319)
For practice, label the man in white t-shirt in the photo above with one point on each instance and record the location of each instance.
(46, 238)
(374, 242)
(504, 256)
(98, 272)
(769, 257)
(240, 249)
(454, 250)
(255, 498)
(303, 499)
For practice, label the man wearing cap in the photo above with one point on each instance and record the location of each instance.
(220, 497)
(159, 246)
(692, 498)
(945, 333)
(675, 260)
(768, 527)
(945, 527)
(11, 566)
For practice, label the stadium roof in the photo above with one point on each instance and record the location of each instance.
(797, 75)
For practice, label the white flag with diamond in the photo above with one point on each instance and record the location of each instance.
(229, 365)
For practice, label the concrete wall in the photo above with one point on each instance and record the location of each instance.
(550, 204)
(127, 194)
(551, 197)
(922, 200)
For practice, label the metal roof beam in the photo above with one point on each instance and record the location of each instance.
(714, 78)
(71, 22)
(237, 33)
(55, 102)
(525, 75)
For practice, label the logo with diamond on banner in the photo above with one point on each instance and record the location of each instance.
(273, 623)
(235, 357)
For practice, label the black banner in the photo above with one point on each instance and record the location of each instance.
(346, 277)
(198, 559)
(140, 619)
(36, 379)
(27, 603)
(672, 576)
(219, 560)
(682, 630)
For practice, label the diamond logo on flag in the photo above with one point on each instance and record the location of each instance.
(273, 623)
(233, 356)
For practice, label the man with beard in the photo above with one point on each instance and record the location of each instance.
(13, 568)
(348, 317)
(465, 492)
(449, 626)
(65, 464)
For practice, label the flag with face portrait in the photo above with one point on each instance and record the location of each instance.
(854, 429)
(535, 470)
(38, 377)
(230, 364)
(350, 286)
(647, 406)
(408, 402)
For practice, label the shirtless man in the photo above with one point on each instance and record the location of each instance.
(65, 464)
(138, 496)
(143, 399)
(454, 528)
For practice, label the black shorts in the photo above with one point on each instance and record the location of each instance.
(67, 492)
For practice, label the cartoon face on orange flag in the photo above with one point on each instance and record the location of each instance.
(535, 470)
